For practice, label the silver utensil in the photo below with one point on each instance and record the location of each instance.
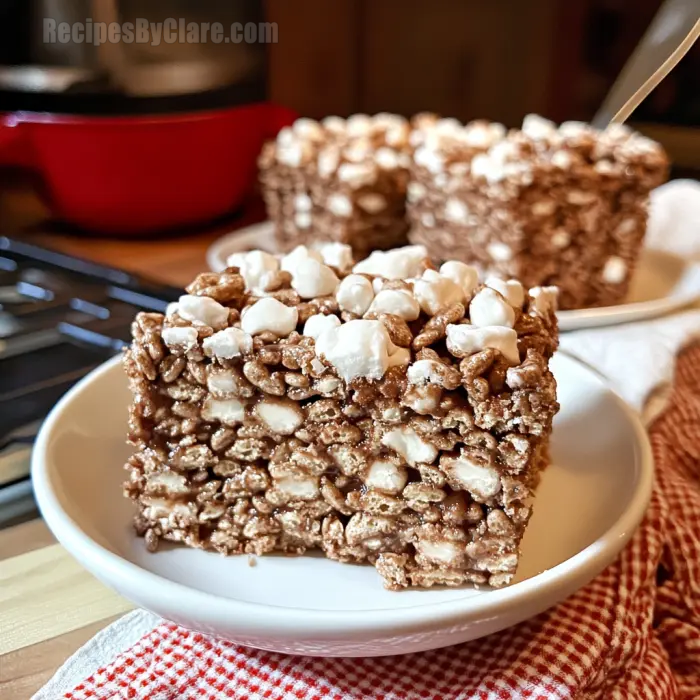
(672, 32)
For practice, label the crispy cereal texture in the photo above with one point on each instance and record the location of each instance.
(338, 179)
(399, 420)
(562, 206)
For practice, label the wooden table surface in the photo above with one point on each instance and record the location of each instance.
(49, 605)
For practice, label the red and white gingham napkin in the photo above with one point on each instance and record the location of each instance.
(634, 632)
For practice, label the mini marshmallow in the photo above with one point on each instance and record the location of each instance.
(357, 151)
(293, 154)
(285, 136)
(355, 294)
(511, 290)
(538, 128)
(443, 551)
(544, 207)
(387, 158)
(463, 275)
(435, 292)
(303, 489)
(318, 323)
(483, 134)
(334, 124)
(307, 129)
(290, 261)
(358, 124)
(384, 475)
(626, 226)
(415, 191)
(171, 309)
(398, 302)
(619, 132)
(327, 384)
(302, 202)
(180, 338)
(465, 340)
(312, 279)
(281, 416)
(490, 169)
(227, 344)
(481, 481)
(561, 238)
(614, 270)
(271, 315)
(257, 267)
(562, 159)
(328, 161)
(410, 446)
(203, 310)
(456, 211)
(302, 219)
(173, 483)
(460, 170)
(489, 308)
(387, 120)
(500, 252)
(425, 372)
(222, 382)
(372, 203)
(544, 299)
(338, 255)
(340, 205)
(396, 264)
(357, 174)
(580, 197)
(429, 159)
(573, 129)
(359, 349)
(226, 411)
(397, 136)
(448, 126)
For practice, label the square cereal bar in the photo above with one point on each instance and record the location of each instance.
(338, 179)
(384, 412)
(562, 206)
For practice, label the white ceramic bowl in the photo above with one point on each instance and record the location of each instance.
(588, 505)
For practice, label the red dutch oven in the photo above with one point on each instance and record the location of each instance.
(139, 174)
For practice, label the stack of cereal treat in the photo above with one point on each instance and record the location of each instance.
(384, 412)
(340, 180)
(548, 205)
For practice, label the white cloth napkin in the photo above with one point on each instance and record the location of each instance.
(638, 359)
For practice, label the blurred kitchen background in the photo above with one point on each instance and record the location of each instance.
(494, 59)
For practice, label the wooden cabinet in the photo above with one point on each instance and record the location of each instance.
(463, 58)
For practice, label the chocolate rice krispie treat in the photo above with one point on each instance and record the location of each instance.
(343, 180)
(562, 206)
(384, 412)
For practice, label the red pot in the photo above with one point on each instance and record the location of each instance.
(137, 174)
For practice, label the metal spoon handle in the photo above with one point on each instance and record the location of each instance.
(674, 29)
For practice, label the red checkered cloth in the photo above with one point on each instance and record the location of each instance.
(634, 632)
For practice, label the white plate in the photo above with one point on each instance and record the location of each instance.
(589, 503)
(662, 283)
